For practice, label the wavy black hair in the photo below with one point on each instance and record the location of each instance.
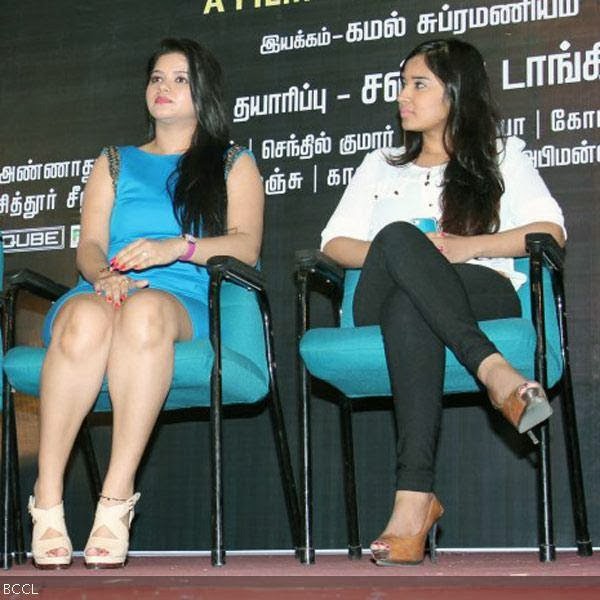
(472, 184)
(198, 185)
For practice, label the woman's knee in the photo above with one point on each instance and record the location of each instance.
(397, 232)
(82, 326)
(147, 319)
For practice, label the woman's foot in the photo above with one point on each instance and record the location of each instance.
(499, 377)
(108, 543)
(408, 514)
(523, 403)
(403, 540)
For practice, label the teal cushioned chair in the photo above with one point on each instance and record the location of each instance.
(234, 366)
(352, 360)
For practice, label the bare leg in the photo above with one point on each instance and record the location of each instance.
(140, 370)
(71, 378)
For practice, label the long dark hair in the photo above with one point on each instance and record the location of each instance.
(472, 183)
(198, 185)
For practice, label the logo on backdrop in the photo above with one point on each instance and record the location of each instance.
(34, 239)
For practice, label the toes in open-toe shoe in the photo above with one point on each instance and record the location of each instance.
(115, 548)
(43, 546)
(526, 407)
(391, 550)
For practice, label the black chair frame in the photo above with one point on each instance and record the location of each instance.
(221, 268)
(317, 272)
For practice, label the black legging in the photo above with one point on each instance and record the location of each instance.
(423, 303)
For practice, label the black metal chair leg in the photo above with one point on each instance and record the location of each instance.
(546, 528)
(217, 545)
(281, 443)
(19, 542)
(306, 549)
(354, 546)
(582, 536)
(285, 462)
(6, 475)
(216, 428)
(545, 516)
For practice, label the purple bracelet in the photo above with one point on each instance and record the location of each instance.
(191, 248)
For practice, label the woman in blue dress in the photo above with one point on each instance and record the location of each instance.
(152, 216)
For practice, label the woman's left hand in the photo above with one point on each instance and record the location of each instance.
(456, 248)
(143, 254)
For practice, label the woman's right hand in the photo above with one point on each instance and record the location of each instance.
(115, 287)
(456, 248)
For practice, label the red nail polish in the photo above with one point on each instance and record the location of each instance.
(109, 298)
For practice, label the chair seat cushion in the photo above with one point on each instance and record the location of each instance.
(243, 381)
(352, 359)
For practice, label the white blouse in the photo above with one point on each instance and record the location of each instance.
(380, 193)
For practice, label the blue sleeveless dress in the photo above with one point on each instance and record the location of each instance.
(143, 209)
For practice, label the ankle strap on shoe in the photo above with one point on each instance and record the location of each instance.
(128, 502)
(113, 499)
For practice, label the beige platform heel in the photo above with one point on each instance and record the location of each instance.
(43, 520)
(111, 517)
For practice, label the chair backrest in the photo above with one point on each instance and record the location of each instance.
(521, 264)
(350, 281)
(242, 326)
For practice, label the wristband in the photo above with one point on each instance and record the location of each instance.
(191, 247)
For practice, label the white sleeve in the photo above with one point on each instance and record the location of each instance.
(352, 215)
(526, 197)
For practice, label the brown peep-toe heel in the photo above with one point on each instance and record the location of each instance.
(526, 407)
(391, 550)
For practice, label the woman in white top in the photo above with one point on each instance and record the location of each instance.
(427, 290)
